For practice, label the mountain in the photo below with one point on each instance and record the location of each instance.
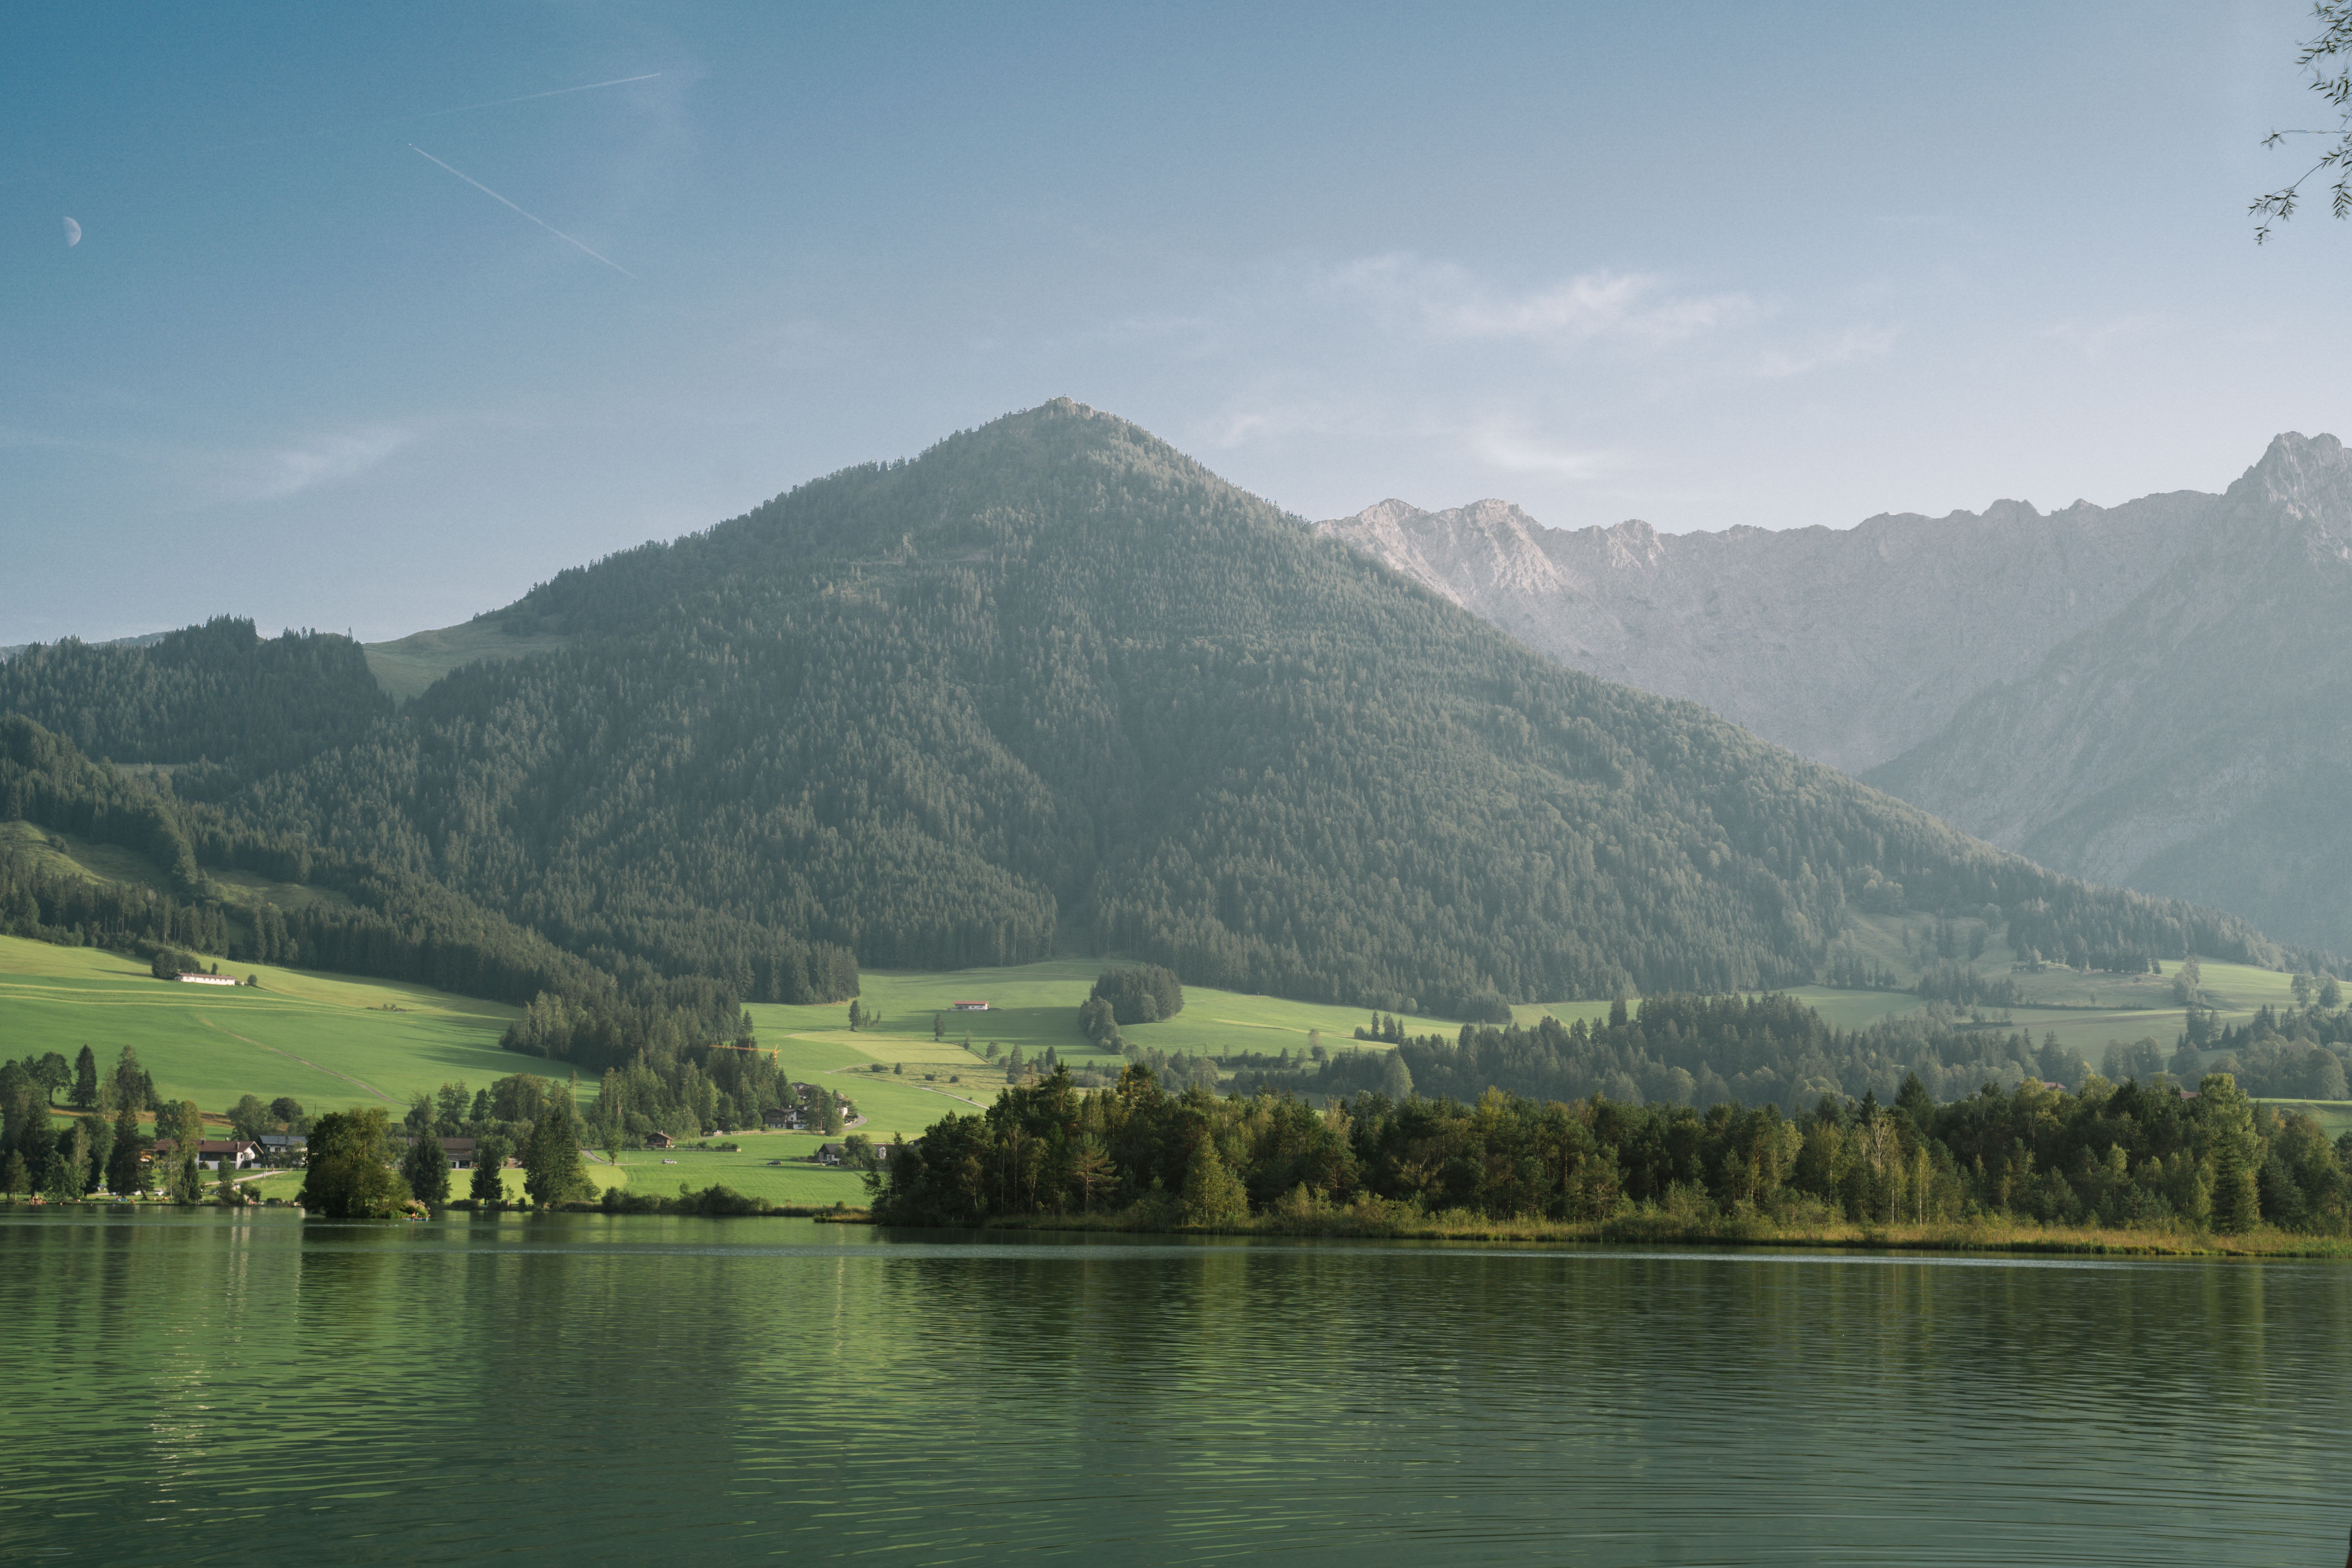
(1850, 646)
(1053, 685)
(2198, 741)
(2144, 695)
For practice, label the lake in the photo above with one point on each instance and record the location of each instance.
(198, 1387)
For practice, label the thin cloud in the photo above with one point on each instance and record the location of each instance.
(327, 460)
(1853, 344)
(1445, 300)
(1516, 451)
(2095, 339)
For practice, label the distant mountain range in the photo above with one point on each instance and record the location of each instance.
(1054, 686)
(2153, 695)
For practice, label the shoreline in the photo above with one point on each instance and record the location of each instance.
(1634, 1230)
(1979, 1237)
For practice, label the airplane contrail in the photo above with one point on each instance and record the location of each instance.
(528, 97)
(540, 221)
(427, 114)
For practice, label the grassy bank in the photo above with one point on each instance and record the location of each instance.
(1376, 1221)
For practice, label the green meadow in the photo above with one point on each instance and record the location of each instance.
(327, 1040)
(754, 1172)
(406, 668)
(332, 1040)
(1031, 1006)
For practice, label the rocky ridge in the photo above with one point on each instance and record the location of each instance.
(2135, 694)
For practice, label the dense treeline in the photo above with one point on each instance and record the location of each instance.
(219, 699)
(2117, 1155)
(690, 1089)
(1687, 1050)
(2283, 1053)
(1055, 676)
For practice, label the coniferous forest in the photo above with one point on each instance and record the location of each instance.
(1052, 683)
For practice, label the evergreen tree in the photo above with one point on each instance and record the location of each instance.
(123, 1165)
(85, 1080)
(97, 1138)
(187, 1175)
(133, 1087)
(552, 1170)
(2228, 1117)
(1211, 1195)
(38, 1142)
(489, 1184)
(425, 1169)
(1396, 1079)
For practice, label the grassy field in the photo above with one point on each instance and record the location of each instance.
(407, 667)
(2334, 1116)
(327, 1040)
(76, 857)
(754, 1172)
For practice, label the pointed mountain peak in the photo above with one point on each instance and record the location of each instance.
(2294, 463)
(2307, 479)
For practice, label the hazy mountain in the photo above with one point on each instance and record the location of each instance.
(2199, 740)
(1849, 646)
(2142, 695)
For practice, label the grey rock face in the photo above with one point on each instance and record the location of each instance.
(1849, 646)
(2157, 694)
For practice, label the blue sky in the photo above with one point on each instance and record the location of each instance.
(1778, 265)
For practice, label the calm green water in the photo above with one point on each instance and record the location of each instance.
(208, 1389)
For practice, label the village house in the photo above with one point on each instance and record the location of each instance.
(781, 1119)
(660, 1141)
(458, 1151)
(211, 1151)
(969, 1006)
(283, 1148)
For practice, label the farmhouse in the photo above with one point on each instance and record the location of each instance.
(659, 1140)
(969, 1006)
(211, 1151)
(781, 1119)
(194, 979)
(458, 1151)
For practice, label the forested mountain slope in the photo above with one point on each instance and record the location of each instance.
(1054, 683)
(1849, 646)
(221, 701)
(2199, 741)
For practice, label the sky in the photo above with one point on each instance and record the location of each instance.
(375, 321)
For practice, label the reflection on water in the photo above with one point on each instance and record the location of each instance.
(211, 1389)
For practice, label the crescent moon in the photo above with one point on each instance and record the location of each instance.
(73, 234)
